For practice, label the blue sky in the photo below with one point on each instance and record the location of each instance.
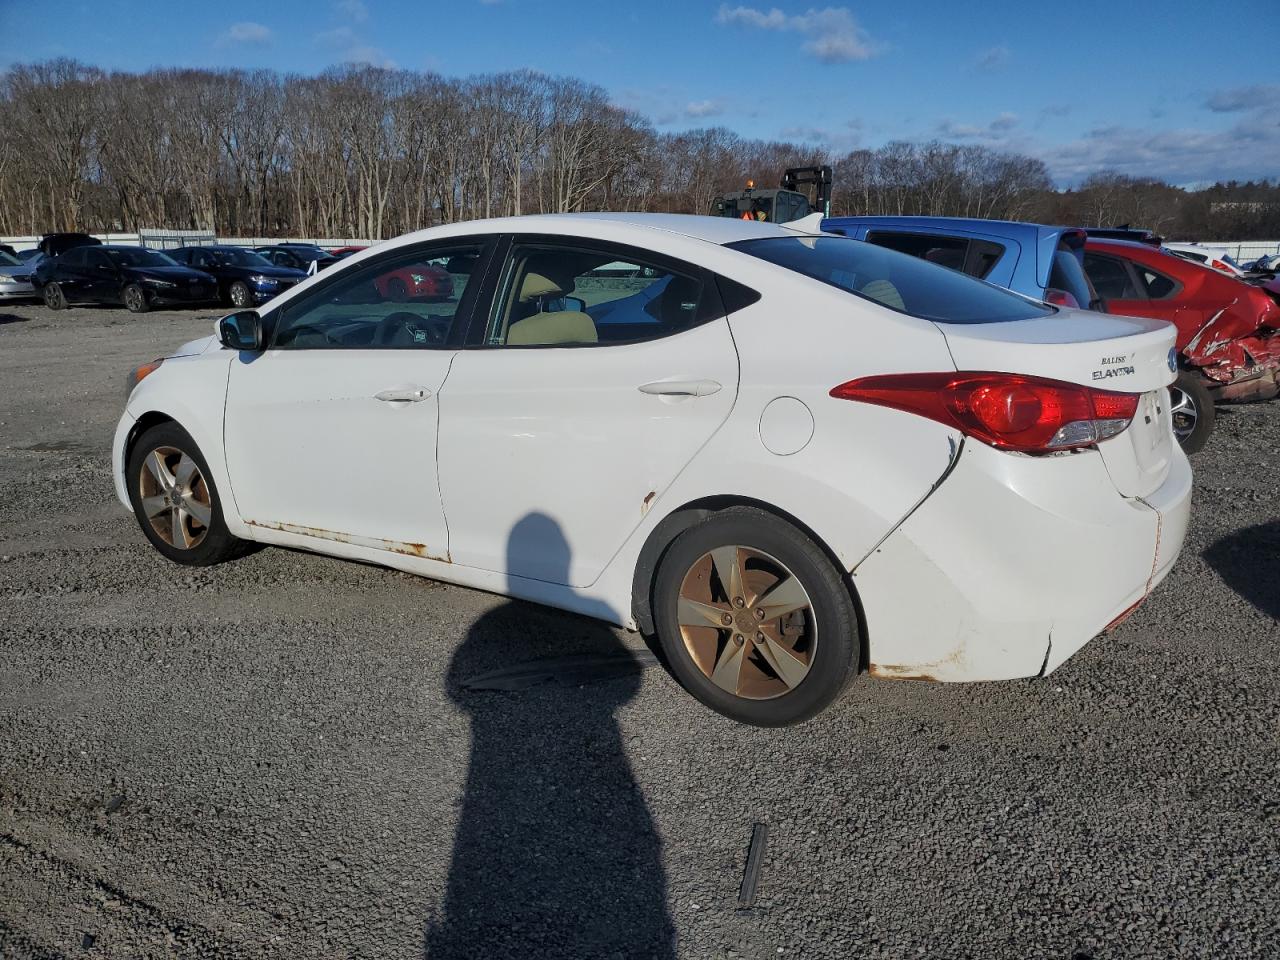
(1182, 90)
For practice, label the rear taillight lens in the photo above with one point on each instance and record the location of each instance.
(1060, 298)
(1007, 410)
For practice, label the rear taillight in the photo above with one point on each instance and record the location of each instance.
(1219, 265)
(1007, 410)
(1060, 298)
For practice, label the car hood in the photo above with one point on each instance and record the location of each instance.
(194, 347)
(277, 273)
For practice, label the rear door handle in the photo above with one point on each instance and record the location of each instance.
(681, 388)
(408, 395)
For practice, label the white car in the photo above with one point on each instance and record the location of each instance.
(1216, 257)
(791, 456)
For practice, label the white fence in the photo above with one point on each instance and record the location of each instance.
(171, 239)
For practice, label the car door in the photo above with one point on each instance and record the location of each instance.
(599, 374)
(101, 277)
(1116, 282)
(331, 431)
(70, 271)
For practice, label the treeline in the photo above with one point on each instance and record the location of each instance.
(368, 152)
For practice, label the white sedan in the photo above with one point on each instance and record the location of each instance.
(792, 457)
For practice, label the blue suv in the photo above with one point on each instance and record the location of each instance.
(1045, 263)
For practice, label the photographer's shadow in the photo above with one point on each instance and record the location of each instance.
(1249, 561)
(555, 854)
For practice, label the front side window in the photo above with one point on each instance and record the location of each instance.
(75, 257)
(894, 280)
(556, 295)
(408, 299)
(1110, 277)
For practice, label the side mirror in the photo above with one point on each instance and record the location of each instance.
(241, 331)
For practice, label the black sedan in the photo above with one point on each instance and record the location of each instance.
(245, 278)
(299, 256)
(135, 276)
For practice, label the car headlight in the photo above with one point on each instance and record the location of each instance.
(162, 284)
(137, 374)
(5, 278)
(262, 281)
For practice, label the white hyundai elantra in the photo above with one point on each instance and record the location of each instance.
(790, 456)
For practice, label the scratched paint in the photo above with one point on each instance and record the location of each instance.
(403, 547)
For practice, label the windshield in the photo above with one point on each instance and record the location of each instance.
(895, 280)
(138, 257)
(239, 258)
(9, 261)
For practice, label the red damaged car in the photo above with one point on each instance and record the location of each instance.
(1228, 331)
(422, 281)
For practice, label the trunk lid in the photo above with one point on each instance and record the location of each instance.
(1123, 354)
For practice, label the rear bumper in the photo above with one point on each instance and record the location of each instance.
(1014, 564)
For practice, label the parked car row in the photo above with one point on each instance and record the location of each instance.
(75, 268)
(1228, 330)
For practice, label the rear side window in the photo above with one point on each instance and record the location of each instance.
(902, 283)
(73, 257)
(971, 256)
(1158, 286)
(1110, 277)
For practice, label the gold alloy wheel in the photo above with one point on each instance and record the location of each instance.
(175, 497)
(747, 623)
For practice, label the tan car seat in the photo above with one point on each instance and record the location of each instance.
(561, 326)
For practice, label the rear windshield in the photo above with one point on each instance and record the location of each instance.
(1067, 275)
(895, 280)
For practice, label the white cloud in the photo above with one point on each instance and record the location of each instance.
(246, 32)
(996, 129)
(834, 36)
(1237, 99)
(993, 58)
(704, 108)
(355, 10)
(352, 49)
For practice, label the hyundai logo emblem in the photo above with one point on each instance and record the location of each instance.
(1173, 359)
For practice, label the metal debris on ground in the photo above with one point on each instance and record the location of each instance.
(755, 862)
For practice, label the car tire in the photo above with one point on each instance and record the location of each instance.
(796, 663)
(135, 298)
(1192, 409)
(165, 467)
(240, 295)
(397, 291)
(54, 298)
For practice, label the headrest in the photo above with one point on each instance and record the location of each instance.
(536, 285)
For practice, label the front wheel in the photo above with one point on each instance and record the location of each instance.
(1193, 411)
(754, 619)
(135, 298)
(176, 501)
(240, 295)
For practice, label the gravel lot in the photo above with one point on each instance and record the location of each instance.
(274, 758)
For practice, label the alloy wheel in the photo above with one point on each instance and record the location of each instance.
(1182, 407)
(239, 295)
(747, 622)
(175, 497)
(134, 299)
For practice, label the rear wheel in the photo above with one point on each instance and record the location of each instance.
(754, 619)
(54, 298)
(135, 298)
(1193, 411)
(240, 295)
(175, 500)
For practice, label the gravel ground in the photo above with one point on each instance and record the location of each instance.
(274, 758)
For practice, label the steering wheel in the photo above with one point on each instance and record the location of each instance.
(393, 323)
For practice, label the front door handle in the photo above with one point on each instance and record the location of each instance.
(407, 395)
(681, 388)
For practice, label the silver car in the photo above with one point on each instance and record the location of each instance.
(15, 278)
